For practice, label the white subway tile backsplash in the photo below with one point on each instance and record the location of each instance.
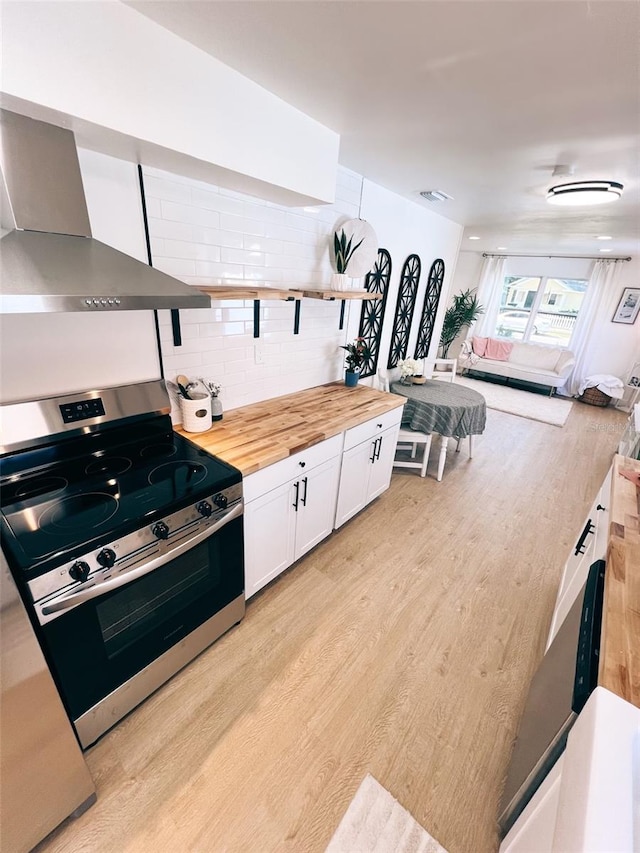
(243, 256)
(219, 271)
(230, 222)
(177, 267)
(215, 201)
(209, 235)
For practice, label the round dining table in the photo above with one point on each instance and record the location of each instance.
(445, 408)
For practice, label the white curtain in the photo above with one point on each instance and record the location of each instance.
(601, 289)
(489, 293)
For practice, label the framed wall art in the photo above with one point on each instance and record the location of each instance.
(628, 307)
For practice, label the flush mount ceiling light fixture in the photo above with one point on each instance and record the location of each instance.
(435, 195)
(585, 192)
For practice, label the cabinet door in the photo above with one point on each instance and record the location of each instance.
(354, 480)
(533, 831)
(381, 469)
(318, 493)
(269, 531)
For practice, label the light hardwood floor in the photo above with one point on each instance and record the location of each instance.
(402, 646)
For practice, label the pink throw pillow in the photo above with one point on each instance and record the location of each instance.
(479, 345)
(498, 350)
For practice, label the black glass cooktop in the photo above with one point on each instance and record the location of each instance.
(60, 500)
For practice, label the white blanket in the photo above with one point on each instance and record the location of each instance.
(610, 385)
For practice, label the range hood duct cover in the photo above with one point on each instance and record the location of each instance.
(49, 261)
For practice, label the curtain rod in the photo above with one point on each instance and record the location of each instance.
(537, 255)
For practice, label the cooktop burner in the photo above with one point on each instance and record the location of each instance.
(90, 510)
(62, 499)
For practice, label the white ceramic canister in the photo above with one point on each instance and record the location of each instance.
(196, 413)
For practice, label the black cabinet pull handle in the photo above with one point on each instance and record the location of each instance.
(304, 495)
(296, 486)
(302, 464)
(379, 447)
(588, 528)
(601, 508)
(379, 426)
(372, 458)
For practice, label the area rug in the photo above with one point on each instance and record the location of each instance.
(375, 822)
(524, 404)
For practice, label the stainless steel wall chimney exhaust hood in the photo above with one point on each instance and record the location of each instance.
(49, 261)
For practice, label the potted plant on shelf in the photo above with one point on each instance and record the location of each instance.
(344, 252)
(461, 314)
(357, 355)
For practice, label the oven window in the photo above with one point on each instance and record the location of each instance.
(140, 609)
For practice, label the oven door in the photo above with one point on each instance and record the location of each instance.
(104, 641)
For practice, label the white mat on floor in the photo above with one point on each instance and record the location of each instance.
(525, 404)
(375, 822)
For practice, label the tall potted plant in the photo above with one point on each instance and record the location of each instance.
(461, 314)
(343, 250)
(357, 355)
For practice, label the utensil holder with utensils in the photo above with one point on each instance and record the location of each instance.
(196, 412)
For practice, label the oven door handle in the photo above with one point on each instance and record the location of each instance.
(123, 579)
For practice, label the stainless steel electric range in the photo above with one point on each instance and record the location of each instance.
(125, 540)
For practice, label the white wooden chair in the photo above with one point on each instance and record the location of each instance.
(447, 371)
(409, 438)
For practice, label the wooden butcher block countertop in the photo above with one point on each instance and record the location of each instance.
(252, 437)
(619, 668)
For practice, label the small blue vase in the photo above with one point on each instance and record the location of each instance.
(351, 378)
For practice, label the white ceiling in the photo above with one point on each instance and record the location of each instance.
(478, 98)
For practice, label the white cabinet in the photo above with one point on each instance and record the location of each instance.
(367, 463)
(590, 546)
(533, 831)
(288, 513)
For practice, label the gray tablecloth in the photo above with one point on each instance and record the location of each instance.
(442, 407)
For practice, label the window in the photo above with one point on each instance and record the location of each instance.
(540, 310)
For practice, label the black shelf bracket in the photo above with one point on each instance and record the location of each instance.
(296, 317)
(342, 304)
(256, 318)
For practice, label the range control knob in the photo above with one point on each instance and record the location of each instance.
(160, 530)
(79, 571)
(221, 501)
(106, 558)
(204, 508)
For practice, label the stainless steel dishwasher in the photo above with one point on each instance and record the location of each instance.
(559, 690)
(43, 776)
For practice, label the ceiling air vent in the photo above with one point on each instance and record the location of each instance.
(435, 195)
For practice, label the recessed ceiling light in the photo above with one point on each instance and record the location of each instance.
(474, 238)
(436, 195)
(603, 237)
(605, 250)
(585, 192)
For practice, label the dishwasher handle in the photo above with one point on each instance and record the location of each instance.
(588, 654)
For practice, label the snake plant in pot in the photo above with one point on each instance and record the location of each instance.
(343, 249)
(462, 313)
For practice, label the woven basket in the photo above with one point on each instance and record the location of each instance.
(594, 397)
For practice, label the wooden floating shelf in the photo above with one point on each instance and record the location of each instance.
(222, 291)
(331, 295)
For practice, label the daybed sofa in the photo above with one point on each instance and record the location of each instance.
(541, 365)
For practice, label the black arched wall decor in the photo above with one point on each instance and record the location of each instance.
(430, 308)
(372, 313)
(409, 280)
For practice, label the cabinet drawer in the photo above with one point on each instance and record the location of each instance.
(372, 428)
(281, 472)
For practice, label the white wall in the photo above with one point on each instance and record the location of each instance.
(207, 235)
(47, 354)
(127, 84)
(404, 228)
(615, 346)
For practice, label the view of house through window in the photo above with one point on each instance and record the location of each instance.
(540, 310)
